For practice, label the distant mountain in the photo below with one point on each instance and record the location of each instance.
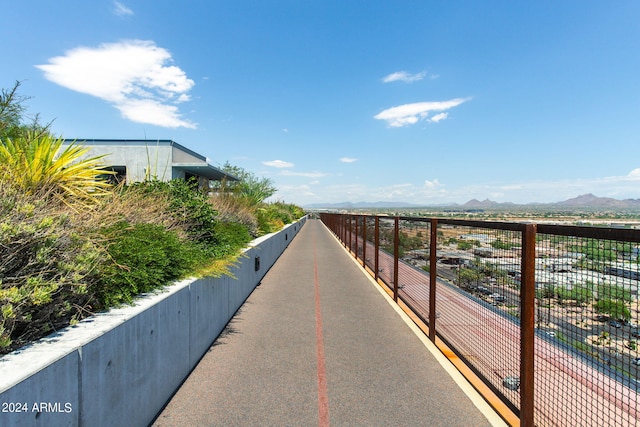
(583, 201)
(486, 203)
(589, 200)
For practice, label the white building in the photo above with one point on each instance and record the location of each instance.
(135, 160)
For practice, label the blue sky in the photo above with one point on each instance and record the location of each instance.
(416, 101)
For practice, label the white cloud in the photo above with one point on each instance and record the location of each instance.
(432, 185)
(634, 174)
(408, 114)
(438, 117)
(348, 160)
(121, 10)
(278, 164)
(134, 75)
(183, 98)
(152, 112)
(304, 174)
(403, 76)
(632, 177)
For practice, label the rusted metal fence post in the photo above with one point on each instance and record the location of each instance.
(396, 245)
(364, 240)
(527, 324)
(432, 279)
(350, 231)
(335, 222)
(355, 234)
(344, 230)
(377, 245)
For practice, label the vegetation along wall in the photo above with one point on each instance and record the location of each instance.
(121, 367)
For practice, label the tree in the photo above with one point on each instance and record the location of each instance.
(464, 245)
(12, 112)
(408, 243)
(466, 276)
(256, 190)
(548, 291)
(581, 295)
(614, 292)
(250, 188)
(500, 244)
(615, 309)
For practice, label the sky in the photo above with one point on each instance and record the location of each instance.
(417, 101)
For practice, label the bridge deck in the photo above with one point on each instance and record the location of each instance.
(317, 343)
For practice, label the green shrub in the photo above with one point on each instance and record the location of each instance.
(273, 216)
(232, 209)
(59, 265)
(189, 205)
(145, 257)
(45, 262)
(268, 222)
(464, 245)
(500, 244)
(230, 238)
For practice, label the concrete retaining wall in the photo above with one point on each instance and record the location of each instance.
(120, 368)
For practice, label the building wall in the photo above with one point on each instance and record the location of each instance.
(180, 156)
(154, 160)
(141, 159)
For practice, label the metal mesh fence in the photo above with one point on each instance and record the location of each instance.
(477, 300)
(413, 264)
(583, 308)
(385, 253)
(586, 316)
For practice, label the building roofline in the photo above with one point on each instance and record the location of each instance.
(138, 142)
(159, 142)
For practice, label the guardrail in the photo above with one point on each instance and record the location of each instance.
(546, 315)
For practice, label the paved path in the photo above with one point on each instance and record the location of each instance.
(317, 343)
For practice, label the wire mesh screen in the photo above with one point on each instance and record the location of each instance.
(478, 300)
(385, 251)
(351, 233)
(583, 326)
(357, 236)
(413, 264)
(586, 346)
(370, 235)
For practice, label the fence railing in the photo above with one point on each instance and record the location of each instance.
(546, 315)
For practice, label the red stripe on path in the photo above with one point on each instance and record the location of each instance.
(323, 399)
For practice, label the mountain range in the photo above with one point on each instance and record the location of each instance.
(582, 201)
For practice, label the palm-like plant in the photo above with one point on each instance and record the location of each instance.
(254, 190)
(41, 164)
